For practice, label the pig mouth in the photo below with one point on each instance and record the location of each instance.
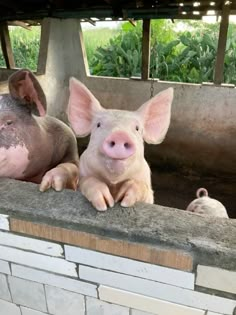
(116, 166)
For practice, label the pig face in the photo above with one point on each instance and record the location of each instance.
(116, 142)
(16, 111)
(26, 98)
(113, 167)
(12, 117)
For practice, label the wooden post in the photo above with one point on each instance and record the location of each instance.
(6, 46)
(43, 48)
(219, 66)
(146, 49)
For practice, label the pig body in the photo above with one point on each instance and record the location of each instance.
(113, 167)
(119, 175)
(39, 149)
(207, 206)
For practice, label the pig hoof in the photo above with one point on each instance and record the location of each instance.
(103, 209)
(126, 203)
(100, 204)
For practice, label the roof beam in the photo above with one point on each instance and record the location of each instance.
(21, 24)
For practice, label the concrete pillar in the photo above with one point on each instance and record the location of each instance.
(62, 55)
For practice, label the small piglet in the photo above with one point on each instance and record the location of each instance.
(207, 206)
(113, 167)
(40, 149)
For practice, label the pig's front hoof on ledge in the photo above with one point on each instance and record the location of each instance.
(58, 179)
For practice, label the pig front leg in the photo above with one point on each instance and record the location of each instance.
(64, 175)
(133, 191)
(97, 192)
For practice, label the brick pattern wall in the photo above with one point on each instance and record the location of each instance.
(44, 277)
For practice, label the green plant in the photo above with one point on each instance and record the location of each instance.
(190, 57)
(230, 56)
(25, 45)
(120, 58)
(181, 56)
(97, 37)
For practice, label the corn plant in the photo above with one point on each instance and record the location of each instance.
(25, 45)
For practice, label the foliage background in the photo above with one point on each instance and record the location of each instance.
(25, 46)
(185, 51)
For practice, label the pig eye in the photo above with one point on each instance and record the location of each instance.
(137, 128)
(98, 124)
(9, 122)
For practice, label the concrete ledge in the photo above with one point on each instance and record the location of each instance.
(150, 233)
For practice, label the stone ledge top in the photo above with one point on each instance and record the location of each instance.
(211, 241)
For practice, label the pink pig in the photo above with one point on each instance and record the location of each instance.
(113, 167)
(34, 146)
(207, 206)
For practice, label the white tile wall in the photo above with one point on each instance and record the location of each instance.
(53, 264)
(130, 267)
(137, 312)
(97, 307)
(216, 278)
(28, 293)
(4, 290)
(145, 303)
(62, 302)
(4, 267)
(7, 308)
(29, 311)
(31, 244)
(158, 290)
(74, 285)
(213, 313)
(4, 223)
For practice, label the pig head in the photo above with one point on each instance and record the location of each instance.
(113, 167)
(33, 146)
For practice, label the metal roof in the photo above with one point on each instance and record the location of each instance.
(110, 9)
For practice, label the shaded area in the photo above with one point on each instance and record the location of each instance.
(178, 189)
(28, 9)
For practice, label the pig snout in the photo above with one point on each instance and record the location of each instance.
(118, 146)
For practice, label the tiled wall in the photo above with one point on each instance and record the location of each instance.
(43, 277)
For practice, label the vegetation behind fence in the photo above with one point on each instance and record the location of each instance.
(182, 52)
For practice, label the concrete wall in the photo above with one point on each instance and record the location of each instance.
(59, 256)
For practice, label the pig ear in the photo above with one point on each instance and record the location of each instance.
(24, 86)
(155, 114)
(82, 107)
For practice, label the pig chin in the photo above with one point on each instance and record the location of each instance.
(116, 167)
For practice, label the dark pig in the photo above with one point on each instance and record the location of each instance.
(33, 146)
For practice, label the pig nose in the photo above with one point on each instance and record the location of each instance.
(118, 145)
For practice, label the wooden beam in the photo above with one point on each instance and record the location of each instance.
(6, 46)
(219, 65)
(43, 48)
(91, 22)
(132, 22)
(146, 49)
(9, 4)
(21, 24)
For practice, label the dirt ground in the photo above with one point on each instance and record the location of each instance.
(177, 190)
